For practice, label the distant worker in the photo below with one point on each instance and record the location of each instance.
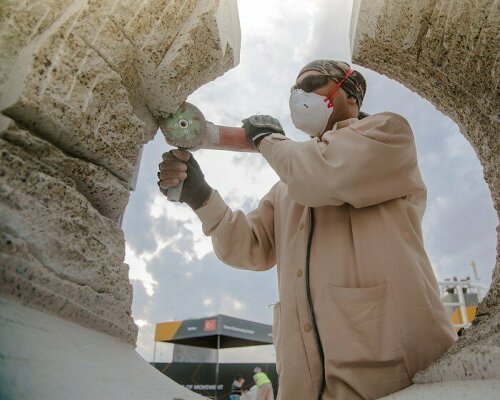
(264, 385)
(359, 309)
(236, 387)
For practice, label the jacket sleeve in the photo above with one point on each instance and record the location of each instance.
(369, 162)
(242, 241)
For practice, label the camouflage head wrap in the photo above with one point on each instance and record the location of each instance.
(355, 85)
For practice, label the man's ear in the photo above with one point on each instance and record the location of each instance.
(351, 100)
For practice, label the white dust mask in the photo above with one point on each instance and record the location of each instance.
(310, 112)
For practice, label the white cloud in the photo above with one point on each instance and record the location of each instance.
(164, 211)
(208, 302)
(232, 306)
(141, 323)
(456, 146)
(237, 306)
(138, 270)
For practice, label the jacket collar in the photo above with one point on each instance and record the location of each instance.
(345, 123)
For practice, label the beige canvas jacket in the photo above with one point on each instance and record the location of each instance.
(375, 298)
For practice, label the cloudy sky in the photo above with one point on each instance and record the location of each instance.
(173, 269)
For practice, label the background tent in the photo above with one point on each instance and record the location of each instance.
(216, 332)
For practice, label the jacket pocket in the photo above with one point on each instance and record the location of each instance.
(276, 335)
(358, 327)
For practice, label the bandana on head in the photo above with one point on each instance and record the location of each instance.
(354, 85)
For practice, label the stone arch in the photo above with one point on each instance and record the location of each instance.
(82, 84)
(447, 52)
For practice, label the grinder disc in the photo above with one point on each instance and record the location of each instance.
(185, 128)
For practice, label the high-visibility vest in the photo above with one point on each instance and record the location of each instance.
(261, 378)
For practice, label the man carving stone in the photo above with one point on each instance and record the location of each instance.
(359, 311)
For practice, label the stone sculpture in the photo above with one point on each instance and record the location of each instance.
(447, 52)
(82, 85)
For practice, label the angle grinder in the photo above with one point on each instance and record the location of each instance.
(188, 129)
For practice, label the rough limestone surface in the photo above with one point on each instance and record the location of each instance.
(447, 52)
(82, 84)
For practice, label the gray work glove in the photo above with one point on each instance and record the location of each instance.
(257, 127)
(180, 165)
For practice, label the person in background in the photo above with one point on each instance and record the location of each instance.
(236, 387)
(264, 385)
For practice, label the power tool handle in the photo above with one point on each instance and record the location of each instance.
(174, 193)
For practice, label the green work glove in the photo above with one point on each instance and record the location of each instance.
(257, 127)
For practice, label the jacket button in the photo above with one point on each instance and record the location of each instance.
(301, 226)
(308, 327)
(299, 273)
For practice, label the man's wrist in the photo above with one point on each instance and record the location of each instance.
(258, 140)
(202, 199)
(257, 127)
(207, 199)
